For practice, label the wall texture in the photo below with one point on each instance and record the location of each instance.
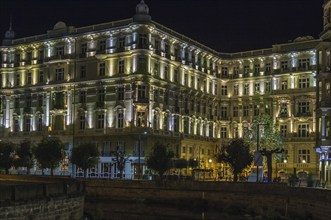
(28, 197)
(192, 200)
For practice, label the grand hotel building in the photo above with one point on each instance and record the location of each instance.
(133, 82)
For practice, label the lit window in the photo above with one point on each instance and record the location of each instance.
(303, 83)
(303, 130)
(304, 156)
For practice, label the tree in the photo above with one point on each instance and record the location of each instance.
(159, 159)
(49, 153)
(120, 160)
(270, 139)
(237, 155)
(24, 155)
(6, 155)
(85, 156)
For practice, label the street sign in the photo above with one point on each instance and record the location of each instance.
(258, 159)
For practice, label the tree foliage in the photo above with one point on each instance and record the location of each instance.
(85, 156)
(49, 153)
(6, 155)
(159, 158)
(120, 160)
(237, 154)
(24, 156)
(270, 139)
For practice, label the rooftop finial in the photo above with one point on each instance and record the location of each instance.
(11, 23)
(142, 13)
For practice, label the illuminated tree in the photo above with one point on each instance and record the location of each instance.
(120, 160)
(159, 159)
(85, 156)
(266, 133)
(237, 154)
(49, 153)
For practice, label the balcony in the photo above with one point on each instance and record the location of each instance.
(283, 115)
(303, 114)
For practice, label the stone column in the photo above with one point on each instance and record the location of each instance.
(47, 109)
(69, 113)
(7, 119)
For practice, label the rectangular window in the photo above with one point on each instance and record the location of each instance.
(120, 93)
(303, 130)
(267, 87)
(224, 90)
(27, 124)
(223, 132)
(176, 75)
(157, 46)
(303, 83)
(40, 100)
(120, 120)
(83, 49)
(41, 77)
(268, 68)
(101, 95)
(224, 71)
(40, 124)
(59, 74)
(284, 84)
(156, 69)
(82, 96)
(235, 72)
(142, 43)
(141, 119)
(303, 107)
(18, 79)
(256, 69)
(304, 63)
(166, 73)
(29, 78)
(192, 82)
(102, 45)
(283, 130)
(284, 65)
(59, 51)
(304, 156)
(235, 111)
(246, 70)
(246, 89)
(82, 72)
(121, 66)
(185, 79)
(257, 87)
(102, 69)
(121, 42)
(141, 92)
(224, 112)
(236, 89)
(142, 64)
(245, 110)
(101, 121)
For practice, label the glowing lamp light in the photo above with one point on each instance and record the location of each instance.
(303, 161)
(210, 160)
(285, 161)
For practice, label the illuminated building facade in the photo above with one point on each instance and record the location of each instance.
(127, 84)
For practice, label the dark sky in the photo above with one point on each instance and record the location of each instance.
(224, 25)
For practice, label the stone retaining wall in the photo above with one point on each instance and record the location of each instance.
(29, 197)
(107, 197)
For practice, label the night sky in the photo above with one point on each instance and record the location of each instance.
(224, 25)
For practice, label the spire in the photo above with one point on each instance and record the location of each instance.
(142, 13)
(10, 34)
